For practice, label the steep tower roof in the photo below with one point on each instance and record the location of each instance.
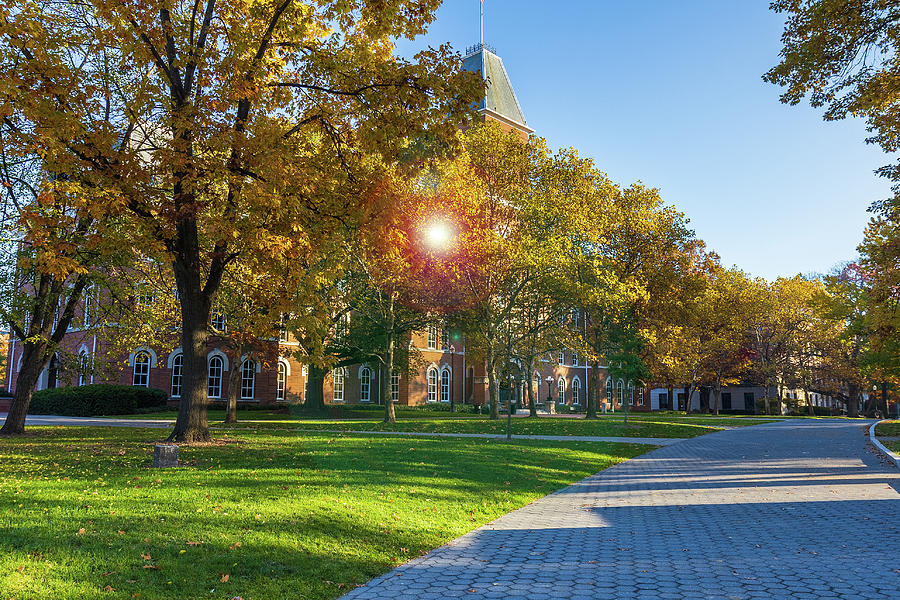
(500, 102)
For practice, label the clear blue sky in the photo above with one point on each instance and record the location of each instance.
(670, 93)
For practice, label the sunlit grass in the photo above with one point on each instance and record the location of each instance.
(266, 515)
(888, 428)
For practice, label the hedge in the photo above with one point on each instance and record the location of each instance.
(92, 400)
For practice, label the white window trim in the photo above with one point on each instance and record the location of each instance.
(134, 369)
(432, 370)
(209, 363)
(365, 370)
(281, 375)
(252, 379)
(449, 373)
(172, 358)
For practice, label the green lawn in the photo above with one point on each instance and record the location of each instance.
(651, 425)
(265, 515)
(888, 428)
(893, 445)
(609, 426)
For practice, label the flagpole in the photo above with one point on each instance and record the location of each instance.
(482, 23)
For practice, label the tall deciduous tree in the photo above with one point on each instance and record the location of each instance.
(225, 128)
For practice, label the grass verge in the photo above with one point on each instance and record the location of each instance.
(888, 428)
(261, 515)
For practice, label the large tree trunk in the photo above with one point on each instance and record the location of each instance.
(191, 424)
(688, 396)
(314, 403)
(884, 399)
(780, 391)
(234, 384)
(869, 406)
(33, 362)
(853, 400)
(390, 415)
(766, 401)
(809, 404)
(704, 399)
(594, 391)
(670, 394)
(493, 387)
(532, 393)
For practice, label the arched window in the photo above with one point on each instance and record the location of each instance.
(365, 385)
(214, 378)
(432, 385)
(445, 385)
(248, 379)
(84, 365)
(177, 370)
(629, 397)
(281, 381)
(620, 392)
(576, 391)
(395, 387)
(141, 374)
(338, 379)
(561, 385)
(609, 391)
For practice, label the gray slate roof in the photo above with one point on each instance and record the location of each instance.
(500, 98)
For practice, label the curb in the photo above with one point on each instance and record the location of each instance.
(889, 453)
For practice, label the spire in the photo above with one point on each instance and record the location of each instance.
(500, 103)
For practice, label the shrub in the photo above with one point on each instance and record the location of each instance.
(92, 400)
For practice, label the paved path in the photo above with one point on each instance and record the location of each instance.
(796, 509)
(33, 420)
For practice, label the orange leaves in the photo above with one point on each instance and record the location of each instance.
(224, 578)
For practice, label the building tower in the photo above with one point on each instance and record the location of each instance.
(500, 103)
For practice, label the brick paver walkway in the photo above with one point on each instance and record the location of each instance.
(796, 509)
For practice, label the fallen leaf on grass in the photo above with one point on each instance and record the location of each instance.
(109, 588)
(154, 567)
(145, 556)
(81, 531)
(224, 578)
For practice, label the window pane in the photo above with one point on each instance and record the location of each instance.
(281, 382)
(248, 379)
(365, 385)
(214, 380)
(338, 376)
(177, 368)
(432, 385)
(141, 375)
